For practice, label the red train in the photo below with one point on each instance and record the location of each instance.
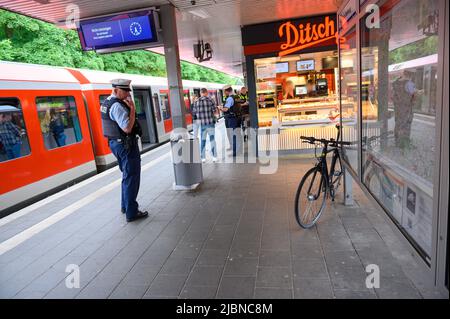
(50, 128)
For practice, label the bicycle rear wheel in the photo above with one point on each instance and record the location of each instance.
(310, 198)
(336, 177)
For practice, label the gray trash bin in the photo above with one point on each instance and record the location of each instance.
(187, 164)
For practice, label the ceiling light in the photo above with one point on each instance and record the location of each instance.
(200, 13)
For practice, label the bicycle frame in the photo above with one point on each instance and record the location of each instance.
(323, 166)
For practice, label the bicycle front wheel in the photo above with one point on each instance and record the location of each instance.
(310, 198)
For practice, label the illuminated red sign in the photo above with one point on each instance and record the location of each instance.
(302, 36)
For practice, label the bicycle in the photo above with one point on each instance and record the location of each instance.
(319, 180)
(375, 175)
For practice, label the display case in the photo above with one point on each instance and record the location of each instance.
(320, 110)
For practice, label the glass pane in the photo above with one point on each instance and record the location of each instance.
(165, 108)
(156, 107)
(13, 134)
(349, 97)
(59, 121)
(297, 90)
(399, 81)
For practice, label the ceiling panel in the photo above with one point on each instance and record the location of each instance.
(215, 21)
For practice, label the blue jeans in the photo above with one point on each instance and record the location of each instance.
(13, 151)
(233, 123)
(210, 130)
(60, 139)
(130, 165)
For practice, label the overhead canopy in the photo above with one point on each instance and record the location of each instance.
(217, 22)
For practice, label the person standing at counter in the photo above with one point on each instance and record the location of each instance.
(289, 90)
(311, 88)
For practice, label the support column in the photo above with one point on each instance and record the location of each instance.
(173, 67)
(348, 188)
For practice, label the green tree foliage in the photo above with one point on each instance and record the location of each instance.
(415, 50)
(23, 39)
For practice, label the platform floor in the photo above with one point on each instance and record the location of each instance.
(235, 237)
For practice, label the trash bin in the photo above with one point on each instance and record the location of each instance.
(187, 164)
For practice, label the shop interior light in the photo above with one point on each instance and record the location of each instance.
(200, 13)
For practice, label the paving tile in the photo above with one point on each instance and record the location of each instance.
(307, 251)
(177, 266)
(245, 249)
(355, 294)
(312, 289)
(166, 285)
(140, 275)
(212, 257)
(198, 292)
(342, 259)
(205, 276)
(218, 242)
(241, 267)
(275, 277)
(309, 269)
(274, 258)
(236, 288)
(128, 292)
(186, 250)
(273, 293)
(390, 289)
(352, 278)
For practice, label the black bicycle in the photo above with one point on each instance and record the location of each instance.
(319, 181)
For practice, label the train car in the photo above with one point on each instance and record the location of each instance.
(44, 132)
(50, 127)
(151, 96)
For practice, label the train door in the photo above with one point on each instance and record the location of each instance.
(145, 116)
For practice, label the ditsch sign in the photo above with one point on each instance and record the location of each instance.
(302, 36)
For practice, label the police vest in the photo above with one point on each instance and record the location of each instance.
(232, 110)
(111, 129)
(243, 98)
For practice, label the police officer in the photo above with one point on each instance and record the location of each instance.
(232, 122)
(245, 116)
(121, 127)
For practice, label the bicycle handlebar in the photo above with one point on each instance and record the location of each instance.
(313, 140)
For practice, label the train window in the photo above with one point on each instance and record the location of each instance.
(156, 106)
(13, 135)
(103, 98)
(187, 103)
(59, 120)
(165, 106)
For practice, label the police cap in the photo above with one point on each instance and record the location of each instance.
(123, 84)
(227, 88)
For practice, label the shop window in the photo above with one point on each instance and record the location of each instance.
(399, 64)
(298, 91)
(59, 121)
(13, 134)
(349, 97)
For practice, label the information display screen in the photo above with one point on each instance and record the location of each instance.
(305, 65)
(115, 31)
(282, 67)
(301, 90)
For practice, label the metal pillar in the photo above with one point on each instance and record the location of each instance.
(348, 188)
(185, 155)
(173, 67)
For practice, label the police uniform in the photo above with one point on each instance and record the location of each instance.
(232, 122)
(115, 115)
(245, 120)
